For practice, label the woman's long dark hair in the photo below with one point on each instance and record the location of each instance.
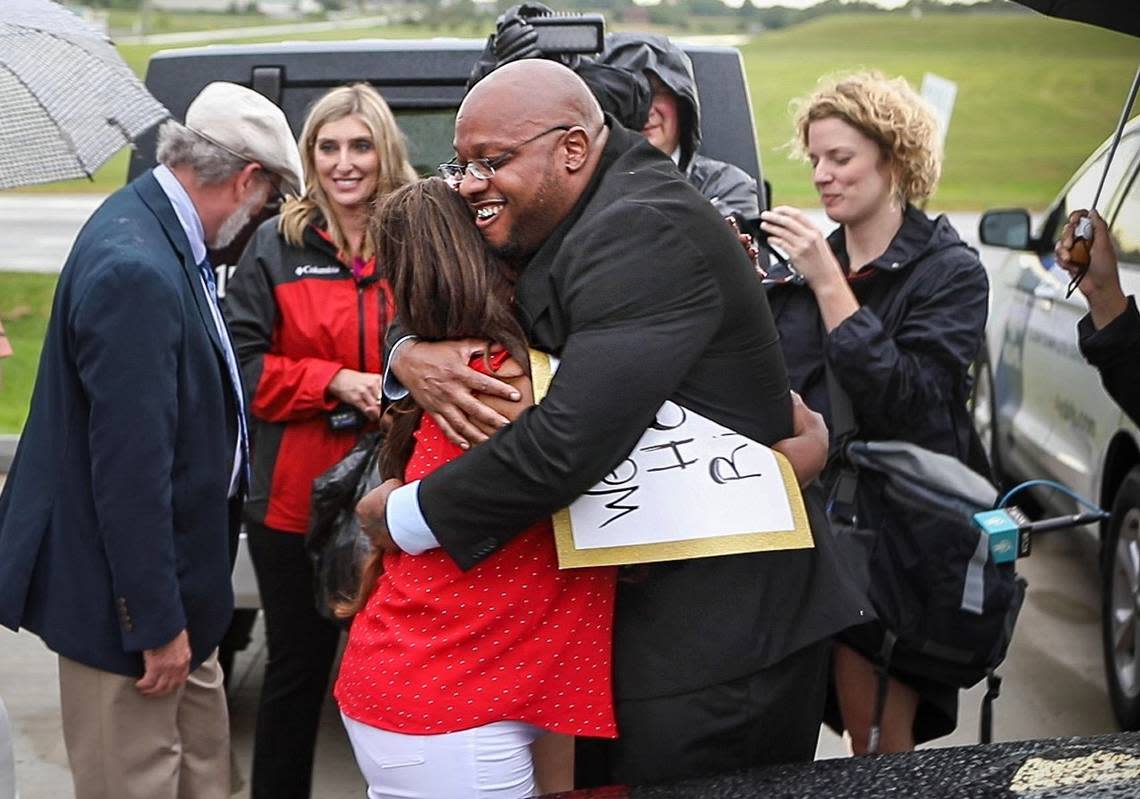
(446, 285)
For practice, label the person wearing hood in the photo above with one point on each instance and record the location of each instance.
(673, 121)
(647, 83)
(893, 305)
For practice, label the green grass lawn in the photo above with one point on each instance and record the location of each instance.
(25, 304)
(1035, 95)
(124, 21)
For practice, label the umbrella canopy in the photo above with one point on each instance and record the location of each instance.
(69, 102)
(1116, 15)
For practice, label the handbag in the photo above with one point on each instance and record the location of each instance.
(336, 546)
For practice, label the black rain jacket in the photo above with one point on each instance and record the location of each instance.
(903, 356)
(1115, 351)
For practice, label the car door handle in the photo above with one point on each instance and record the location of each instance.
(1045, 291)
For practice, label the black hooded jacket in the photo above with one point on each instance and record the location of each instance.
(1115, 351)
(729, 188)
(903, 356)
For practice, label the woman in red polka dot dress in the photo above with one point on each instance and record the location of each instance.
(449, 677)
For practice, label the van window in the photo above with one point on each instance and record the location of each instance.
(1080, 194)
(1126, 225)
(429, 134)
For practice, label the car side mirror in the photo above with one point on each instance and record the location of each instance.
(1007, 228)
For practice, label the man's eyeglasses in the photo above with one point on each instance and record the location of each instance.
(484, 168)
(276, 196)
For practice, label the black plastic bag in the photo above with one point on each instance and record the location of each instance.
(336, 545)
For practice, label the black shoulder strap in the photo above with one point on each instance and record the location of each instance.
(842, 502)
(843, 426)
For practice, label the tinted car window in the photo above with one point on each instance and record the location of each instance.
(1081, 193)
(1126, 225)
(428, 134)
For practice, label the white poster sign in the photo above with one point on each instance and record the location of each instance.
(689, 488)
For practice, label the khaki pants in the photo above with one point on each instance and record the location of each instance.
(122, 745)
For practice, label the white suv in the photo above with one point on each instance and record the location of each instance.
(1041, 409)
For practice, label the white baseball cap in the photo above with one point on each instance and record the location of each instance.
(250, 126)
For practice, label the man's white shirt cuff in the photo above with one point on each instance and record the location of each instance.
(406, 522)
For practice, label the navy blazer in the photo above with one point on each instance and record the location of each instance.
(115, 522)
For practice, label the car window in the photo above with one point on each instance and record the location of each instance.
(428, 133)
(1126, 225)
(1080, 194)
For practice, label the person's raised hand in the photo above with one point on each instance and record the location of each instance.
(1103, 273)
(359, 389)
(372, 515)
(807, 449)
(806, 246)
(440, 380)
(1101, 284)
(165, 668)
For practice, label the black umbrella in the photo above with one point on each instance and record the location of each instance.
(1116, 15)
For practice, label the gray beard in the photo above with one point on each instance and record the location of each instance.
(237, 221)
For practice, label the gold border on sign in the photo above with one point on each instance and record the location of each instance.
(799, 537)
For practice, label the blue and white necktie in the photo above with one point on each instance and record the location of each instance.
(207, 270)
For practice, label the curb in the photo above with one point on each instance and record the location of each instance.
(7, 451)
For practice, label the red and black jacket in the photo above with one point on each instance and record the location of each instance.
(297, 316)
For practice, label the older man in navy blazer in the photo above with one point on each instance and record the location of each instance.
(115, 521)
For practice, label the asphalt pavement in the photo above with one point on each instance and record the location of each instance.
(37, 230)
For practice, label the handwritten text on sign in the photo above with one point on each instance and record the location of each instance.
(687, 478)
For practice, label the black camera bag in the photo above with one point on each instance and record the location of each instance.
(902, 515)
(926, 567)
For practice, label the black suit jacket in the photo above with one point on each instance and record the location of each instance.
(114, 521)
(646, 295)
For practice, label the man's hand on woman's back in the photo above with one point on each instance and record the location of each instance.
(440, 380)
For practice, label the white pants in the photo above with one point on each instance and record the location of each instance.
(489, 762)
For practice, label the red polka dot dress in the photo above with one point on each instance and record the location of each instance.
(438, 650)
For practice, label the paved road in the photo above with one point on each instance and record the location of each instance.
(37, 230)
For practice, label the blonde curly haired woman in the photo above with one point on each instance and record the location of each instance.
(893, 304)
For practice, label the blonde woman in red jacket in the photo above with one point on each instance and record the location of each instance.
(308, 309)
